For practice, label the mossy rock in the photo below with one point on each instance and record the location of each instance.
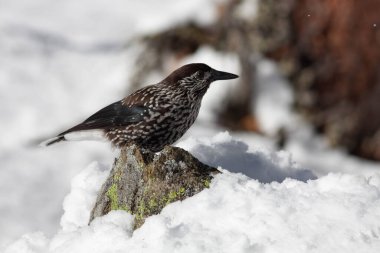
(143, 183)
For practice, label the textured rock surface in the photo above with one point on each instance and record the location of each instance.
(143, 183)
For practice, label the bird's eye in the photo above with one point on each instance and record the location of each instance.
(200, 74)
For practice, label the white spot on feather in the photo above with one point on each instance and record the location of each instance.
(96, 135)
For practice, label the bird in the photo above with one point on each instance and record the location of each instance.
(154, 116)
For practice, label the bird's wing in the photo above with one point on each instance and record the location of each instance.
(114, 115)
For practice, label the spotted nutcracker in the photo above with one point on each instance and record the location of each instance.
(154, 116)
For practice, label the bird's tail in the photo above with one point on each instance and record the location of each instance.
(51, 141)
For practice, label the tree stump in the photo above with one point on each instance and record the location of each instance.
(143, 183)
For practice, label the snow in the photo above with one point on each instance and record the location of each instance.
(273, 109)
(87, 21)
(84, 189)
(336, 212)
(247, 10)
(222, 150)
(62, 60)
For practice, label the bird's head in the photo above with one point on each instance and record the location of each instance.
(196, 77)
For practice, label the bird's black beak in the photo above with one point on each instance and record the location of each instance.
(220, 75)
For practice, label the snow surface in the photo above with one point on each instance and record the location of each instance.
(62, 60)
(334, 213)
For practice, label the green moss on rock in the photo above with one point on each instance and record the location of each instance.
(112, 195)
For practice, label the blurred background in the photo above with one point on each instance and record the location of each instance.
(309, 83)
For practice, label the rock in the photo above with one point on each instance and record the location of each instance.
(143, 183)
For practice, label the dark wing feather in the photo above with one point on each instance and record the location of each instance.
(114, 115)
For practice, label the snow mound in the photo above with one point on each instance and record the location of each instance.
(60, 62)
(84, 189)
(236, 156)
(287, 213)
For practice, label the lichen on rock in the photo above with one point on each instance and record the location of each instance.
(143, 183)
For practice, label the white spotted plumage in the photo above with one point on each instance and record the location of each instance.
(157, 115)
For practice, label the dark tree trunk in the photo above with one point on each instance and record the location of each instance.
(331, 53)
(337, 44)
